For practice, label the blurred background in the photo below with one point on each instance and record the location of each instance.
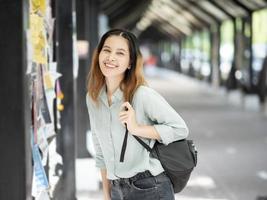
(208, 58)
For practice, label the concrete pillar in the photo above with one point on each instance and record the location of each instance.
(87, 30)
(15, 118)
(65, 29)
(215, 55)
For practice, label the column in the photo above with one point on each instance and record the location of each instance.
(15, 118)
(65, 30)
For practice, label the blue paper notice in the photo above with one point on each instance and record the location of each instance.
(41, 178)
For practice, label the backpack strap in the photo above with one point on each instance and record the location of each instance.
(124, 145)
(148, 148)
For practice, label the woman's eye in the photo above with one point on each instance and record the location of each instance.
(120, 53)
(106, 50)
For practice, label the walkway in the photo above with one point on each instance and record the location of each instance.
(229, 131)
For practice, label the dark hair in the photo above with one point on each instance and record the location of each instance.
(133, 77)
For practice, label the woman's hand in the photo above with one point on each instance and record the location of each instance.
(106, 184)
(127, 116)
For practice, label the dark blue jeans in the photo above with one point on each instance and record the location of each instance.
(142, 186)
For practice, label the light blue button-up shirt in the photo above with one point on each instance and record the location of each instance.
(108, 132)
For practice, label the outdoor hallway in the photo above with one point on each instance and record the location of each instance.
(46, 50)
(229, 131)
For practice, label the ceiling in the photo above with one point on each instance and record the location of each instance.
(174, 18)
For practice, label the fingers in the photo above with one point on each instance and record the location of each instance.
(122, 113)
(127, 116)
(126, 106)
(124, 120)
(123, 116)
(125, 113)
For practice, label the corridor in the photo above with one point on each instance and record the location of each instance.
(229, 131)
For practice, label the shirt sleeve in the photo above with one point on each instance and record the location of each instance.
(168, 123)
(99, 159)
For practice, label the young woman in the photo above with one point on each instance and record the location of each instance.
(118, 98)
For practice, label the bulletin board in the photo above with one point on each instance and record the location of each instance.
(46, 97)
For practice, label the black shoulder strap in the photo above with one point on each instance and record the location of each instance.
(143, 143)
(123, 148)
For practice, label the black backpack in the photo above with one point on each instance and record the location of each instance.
(177, 158)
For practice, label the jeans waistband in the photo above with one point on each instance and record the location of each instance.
(138, 176)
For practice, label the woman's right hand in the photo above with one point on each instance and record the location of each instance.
(107, 197)
(106, 184)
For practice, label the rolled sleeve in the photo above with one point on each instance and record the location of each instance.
(168, 123)
(99, 159)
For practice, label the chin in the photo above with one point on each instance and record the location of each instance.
(110, 74)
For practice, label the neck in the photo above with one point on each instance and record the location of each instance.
(112, 85)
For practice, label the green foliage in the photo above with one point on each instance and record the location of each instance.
(259, 27)
(227, 32)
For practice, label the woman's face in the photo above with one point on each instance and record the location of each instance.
(114, 58)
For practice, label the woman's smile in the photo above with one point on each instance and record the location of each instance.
(114, 57)
(110, 65)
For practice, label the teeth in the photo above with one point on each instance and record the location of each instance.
(110, 65)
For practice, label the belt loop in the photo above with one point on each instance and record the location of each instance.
(128, 181)
(113, 182)
(157, 179)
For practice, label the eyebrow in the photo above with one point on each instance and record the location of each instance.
(120, 49)
(105, 46)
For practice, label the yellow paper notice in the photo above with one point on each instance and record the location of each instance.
(38, 6)
(48, 82)
(36, 26)
(39, 50)
(38, 39)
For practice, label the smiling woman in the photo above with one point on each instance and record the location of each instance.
(117, 100)
(117, 48)
(114, 58)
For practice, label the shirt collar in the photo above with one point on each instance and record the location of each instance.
(117, 96)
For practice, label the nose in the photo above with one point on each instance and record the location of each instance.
(111, 57)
